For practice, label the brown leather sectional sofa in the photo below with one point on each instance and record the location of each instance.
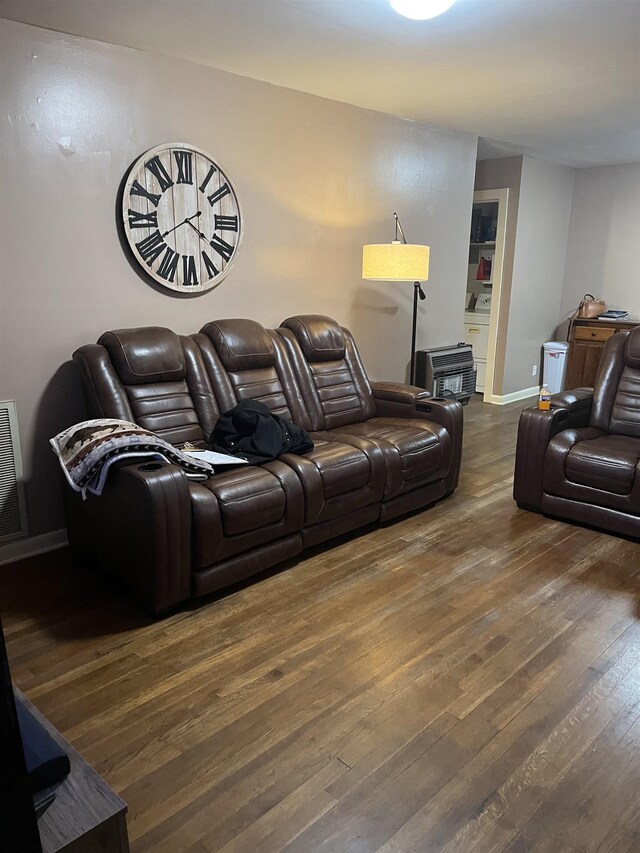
(380, 450)
(581, 460)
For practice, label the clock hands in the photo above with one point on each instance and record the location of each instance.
(198, 232)
(186, 221)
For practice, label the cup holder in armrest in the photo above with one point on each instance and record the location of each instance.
(150, 466)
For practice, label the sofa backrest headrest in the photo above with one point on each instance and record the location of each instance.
(616, 395)
(150, 376)
(245, 361)
(320, 338)
(327, 367)
(241, 344)
(145, 355)
(632, 349)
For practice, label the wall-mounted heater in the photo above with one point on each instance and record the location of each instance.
(447, 371)
(13, 517)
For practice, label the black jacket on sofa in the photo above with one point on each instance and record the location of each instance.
(251, 431)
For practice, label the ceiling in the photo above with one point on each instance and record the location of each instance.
(556, 79)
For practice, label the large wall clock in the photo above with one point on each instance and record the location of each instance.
(181, 217)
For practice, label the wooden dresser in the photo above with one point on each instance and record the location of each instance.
(586, 345)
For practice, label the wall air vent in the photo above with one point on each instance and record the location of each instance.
(13, 517)
(447, 371)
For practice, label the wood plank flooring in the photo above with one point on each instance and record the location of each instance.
(465, 679)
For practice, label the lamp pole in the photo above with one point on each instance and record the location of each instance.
(418, 292)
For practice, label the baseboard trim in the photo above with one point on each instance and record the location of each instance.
(515, 396)
(33, 545)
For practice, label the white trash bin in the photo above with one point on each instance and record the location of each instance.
(555, 365)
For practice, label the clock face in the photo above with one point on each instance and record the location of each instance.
(181, 217)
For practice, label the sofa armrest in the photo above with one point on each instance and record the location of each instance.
(138, 529)
(536, 428)
(448, 413)
(396, 400)
(578, 399)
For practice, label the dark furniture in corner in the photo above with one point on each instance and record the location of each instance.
(581, 460)
(86, 815)
(586, 348)
(381, 450)
(82, 814)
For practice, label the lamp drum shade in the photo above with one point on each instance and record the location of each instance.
(395, 262)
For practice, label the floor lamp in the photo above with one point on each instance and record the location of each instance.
(399, 261)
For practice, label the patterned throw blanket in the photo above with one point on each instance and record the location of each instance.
(87, 450)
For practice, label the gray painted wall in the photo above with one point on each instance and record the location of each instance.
(538, 268)
(604, 238)
(316, 180)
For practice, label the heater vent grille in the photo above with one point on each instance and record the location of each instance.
(12, 508)
(447, 371)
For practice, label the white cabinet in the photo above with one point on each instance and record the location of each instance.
(476, 333)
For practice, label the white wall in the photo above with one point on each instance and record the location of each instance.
(316, 180)
(538, 217)
(604, 239)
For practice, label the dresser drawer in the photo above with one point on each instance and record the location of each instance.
(589, 333)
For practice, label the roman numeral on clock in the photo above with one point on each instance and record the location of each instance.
(143, 220)
(138, 189)
(184, 161)
(226, 223)
(218, 194)
(221, 246)
(169, 265)
(208, 177)
(211, 267)
(151, 247)
(189, 274)
(159, 172)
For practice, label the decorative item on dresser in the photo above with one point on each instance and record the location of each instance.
(586, 346)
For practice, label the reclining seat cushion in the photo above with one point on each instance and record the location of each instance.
(591, 466)
(416, 451)
(151, 368)
(337, 477)
(243, 508)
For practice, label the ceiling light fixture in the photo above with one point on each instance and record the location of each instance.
(421, 10)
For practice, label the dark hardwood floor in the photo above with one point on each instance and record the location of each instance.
(465, 679)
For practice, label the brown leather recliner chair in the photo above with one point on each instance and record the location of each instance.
(581, 460)
(380, 450)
